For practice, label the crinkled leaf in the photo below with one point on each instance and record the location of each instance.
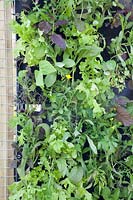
(57, 145)
(50, 79)
(92, 145)
(39, 78)
(46, 67)
(76, 174)
(44, 26)
(58, 40)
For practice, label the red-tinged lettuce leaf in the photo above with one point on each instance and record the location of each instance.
(58, 40)
(44, 26)
(123, 116)
(122, 100)
(61, 22)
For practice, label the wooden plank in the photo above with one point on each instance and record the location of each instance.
(3, 118)
(7, 90)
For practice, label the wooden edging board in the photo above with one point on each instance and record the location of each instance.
(7, 95)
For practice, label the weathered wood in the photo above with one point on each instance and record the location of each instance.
(7, 90)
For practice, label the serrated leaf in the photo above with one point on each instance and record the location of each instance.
(50, 79)
(46, 67)
(76, 174)
(58, 40)
(92, 145)
(39, 78)
(69, 63)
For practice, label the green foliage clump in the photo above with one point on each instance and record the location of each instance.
(72, 149)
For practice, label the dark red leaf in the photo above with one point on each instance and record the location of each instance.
(124, 56)
(44, 26)
(58, 40)
(61, 22)
(123, 116)
(122, 100)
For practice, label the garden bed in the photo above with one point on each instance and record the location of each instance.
(75, 108)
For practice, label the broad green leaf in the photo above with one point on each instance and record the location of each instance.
(89, 51)
(69, 63)
(62, 166)
(92, 145)
(39, 78)
(88, 196)
(39, 52)
(76, 174)
(60, 64)
(46, 67)
(130, 108)
(50, 79)
(62, 195)
(109, 65)
(129, 161)
(116, 195)
(106, 193)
